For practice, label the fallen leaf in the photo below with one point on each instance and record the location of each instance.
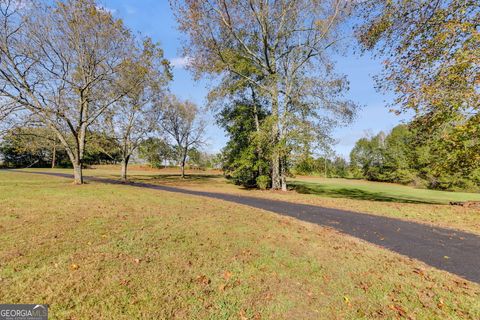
(227, 275)
(242, 315)
(440, 303)
(398, 309)
(364, 286)
(203, 279)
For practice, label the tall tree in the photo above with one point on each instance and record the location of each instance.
(244, 156)
(280, 48)
(432, 54)
(145, 75)
(181, 122)
(61, 63)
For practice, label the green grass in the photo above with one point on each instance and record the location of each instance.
(116, 252)
(384, 199)
(375, 191)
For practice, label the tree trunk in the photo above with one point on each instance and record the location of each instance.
(184, 160)
(276, 177)
(77, 172)
(78, 160)
(54, 155)
(283, 176)
(124, 168)
(183, 169)
(257, 127)
(276, 183)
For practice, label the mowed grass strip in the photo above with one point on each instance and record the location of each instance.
(378, 191)
(101, 251)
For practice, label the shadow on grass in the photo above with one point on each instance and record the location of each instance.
(197, 178)
(353, 193)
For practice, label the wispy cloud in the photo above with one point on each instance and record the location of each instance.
(181, 62)
(106, 9)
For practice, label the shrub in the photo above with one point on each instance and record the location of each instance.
(263, 182)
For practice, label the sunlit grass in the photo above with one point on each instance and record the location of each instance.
(385, 199)
(111, 251)
(367, 190)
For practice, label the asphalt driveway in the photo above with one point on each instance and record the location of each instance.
(455, 251)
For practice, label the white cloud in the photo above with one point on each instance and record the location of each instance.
(106, 9)
(181, 62)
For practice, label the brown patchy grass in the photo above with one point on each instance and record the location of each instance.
(102, 251)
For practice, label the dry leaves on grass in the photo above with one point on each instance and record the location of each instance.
(203, 280)
(401, 312)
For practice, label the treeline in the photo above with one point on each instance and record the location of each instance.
(80, 72)
(446, 159)
(38, 147)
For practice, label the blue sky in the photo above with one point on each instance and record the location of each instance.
(155, 19)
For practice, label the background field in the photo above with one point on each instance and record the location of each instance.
(112, 251)
(377, 191)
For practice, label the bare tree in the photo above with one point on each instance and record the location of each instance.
(181, 122)
(137, 114)
(280, 48)
(61, 62)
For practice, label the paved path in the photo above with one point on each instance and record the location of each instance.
(455, 251)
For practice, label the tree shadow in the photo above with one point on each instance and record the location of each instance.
(177, 178)
(354, 193)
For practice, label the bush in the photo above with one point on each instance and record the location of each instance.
(403, 176)
(263, 182)
(475, 176)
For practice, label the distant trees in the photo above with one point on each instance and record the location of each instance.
(181, 123)
(280, 49)
(156, 151)
(38, 146)
(385, 157)
(31, 146)
(334, 167)
(406, 156)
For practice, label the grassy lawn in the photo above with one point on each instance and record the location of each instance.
(111, 251)
(397, 201)
(377, 191)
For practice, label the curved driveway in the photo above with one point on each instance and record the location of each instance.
(455, 251)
